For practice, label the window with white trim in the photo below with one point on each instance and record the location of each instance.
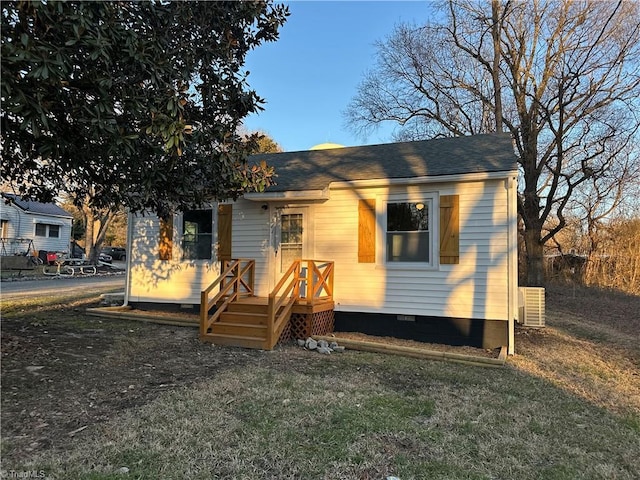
(197, 234)
(47, 230)
(409, 232)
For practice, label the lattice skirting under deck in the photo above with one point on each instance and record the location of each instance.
(303, 325)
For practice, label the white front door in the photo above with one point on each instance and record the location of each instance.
(291, 239)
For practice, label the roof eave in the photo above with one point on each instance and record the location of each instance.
(458, 177)
(45, 214)
(289, 195)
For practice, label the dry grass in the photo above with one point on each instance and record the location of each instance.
(606, 377)
(590, 347)
(359, 419)
(360, 416)
(567, 406)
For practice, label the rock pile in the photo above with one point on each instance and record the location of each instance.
(320, 346)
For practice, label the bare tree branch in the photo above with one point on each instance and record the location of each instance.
(562, 77)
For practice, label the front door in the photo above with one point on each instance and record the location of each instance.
(291, 241)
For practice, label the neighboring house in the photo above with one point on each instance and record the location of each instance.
(423, 237)
(34, 225)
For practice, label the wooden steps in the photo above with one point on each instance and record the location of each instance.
(243, 324)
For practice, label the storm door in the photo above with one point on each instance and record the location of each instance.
(291, 244)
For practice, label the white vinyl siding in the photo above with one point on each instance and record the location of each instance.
(179, 281)
(477, 287)
(251, 239)
(22, 225)
(164, 281)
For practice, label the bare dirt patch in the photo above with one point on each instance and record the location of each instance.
(63, 371)
(437, 347)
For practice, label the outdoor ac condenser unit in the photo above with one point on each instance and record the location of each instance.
(531, 306)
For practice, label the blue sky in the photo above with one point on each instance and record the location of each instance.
(311, 73)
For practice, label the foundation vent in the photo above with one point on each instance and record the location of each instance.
(531, 306)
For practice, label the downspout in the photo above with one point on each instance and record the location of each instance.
(512, 265)
(127, 281)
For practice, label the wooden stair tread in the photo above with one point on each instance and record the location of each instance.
(244, 318)
(243, 325)
(240, 329)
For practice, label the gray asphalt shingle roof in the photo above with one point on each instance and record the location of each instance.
(37, 207)
(316, 169)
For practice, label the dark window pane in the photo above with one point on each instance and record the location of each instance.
(54, 231)
(41, 230)
(408, 232)
(407, 217)
(197, 237)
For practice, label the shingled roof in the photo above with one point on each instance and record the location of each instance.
(316, 169)
(37, 207)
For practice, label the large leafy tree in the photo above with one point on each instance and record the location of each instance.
(563, 77)
(131, 104)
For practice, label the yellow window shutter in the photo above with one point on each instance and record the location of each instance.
(449, 229)
(165, 244)
(224, 231)
(367, 231)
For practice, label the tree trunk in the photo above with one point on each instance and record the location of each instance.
(89, 235)
(497, 87)
(535, 257)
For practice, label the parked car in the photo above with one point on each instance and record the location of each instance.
(117, 253)
(78, 252)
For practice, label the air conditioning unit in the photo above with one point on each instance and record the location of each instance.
(531, 306)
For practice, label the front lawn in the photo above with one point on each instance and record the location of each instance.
(101, 399)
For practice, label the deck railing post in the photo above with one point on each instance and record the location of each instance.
(330, 292)
(204, 311)
(311, 274)
(236, 280)
(252, 278)
(270, 320)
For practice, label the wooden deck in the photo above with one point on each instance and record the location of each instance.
(231, 313)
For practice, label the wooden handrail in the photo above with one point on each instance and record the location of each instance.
(238, 279)
(287, 290)
(318, 279)
(237, 285)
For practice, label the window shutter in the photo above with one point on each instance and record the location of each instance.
(224, 231)
(367, 231)
(449, 229)
(165, 244)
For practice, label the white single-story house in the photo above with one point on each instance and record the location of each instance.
(421, 239)
(33, 225)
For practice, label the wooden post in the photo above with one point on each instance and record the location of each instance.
(252, 277)
(311, 286)
(204, 311)
(236, 280)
